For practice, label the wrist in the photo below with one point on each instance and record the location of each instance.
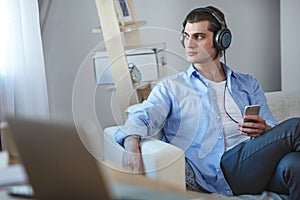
(132, 143)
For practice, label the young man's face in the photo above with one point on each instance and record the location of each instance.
(199, 45)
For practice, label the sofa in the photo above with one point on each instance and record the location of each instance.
(165, 162)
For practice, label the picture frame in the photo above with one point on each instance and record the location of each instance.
(125, 11)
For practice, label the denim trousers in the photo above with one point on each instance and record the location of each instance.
(270, 162)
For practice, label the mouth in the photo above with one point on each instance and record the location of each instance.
(191, 53)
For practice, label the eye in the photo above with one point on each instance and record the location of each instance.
(186, 36)
(198, 36)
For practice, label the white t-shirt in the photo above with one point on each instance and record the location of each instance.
(232, 135)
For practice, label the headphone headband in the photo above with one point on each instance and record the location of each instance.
(213, 13)
(222, 38)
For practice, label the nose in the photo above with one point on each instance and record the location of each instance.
(189, 42)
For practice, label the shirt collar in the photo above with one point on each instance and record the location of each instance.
(191, 71)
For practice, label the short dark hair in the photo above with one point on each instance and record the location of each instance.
(196, 16)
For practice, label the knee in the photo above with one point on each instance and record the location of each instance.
(286, 176)
(293, 124)
(289, 166)
(295, 121)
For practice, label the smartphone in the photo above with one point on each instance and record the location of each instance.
(251, 110)
(24, 191)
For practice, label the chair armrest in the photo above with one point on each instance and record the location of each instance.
(162, 161)
(112, 151)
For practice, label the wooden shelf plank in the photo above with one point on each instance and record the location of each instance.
(126, 28)
(116, 53)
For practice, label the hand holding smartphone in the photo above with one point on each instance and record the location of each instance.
(251, 110)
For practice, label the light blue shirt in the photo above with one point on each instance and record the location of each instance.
(184, 106)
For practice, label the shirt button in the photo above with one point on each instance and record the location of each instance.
(218, 170)
(218, 117)
(220, 138)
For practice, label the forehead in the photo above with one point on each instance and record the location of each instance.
(197, 27)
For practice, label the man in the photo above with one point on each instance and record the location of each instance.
(201, 111)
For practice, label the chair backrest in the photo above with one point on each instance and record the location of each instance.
(284, 104)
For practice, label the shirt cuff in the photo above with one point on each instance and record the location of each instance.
(130, 128)
(120, 136)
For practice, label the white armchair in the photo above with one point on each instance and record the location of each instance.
(162, 161)
(166, 162)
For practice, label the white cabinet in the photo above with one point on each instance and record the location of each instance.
(150, 61)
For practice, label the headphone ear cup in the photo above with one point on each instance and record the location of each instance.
(222, 39)
(182, 38)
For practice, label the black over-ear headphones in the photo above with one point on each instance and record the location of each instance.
(222, 38)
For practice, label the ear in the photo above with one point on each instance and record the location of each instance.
(182, 37)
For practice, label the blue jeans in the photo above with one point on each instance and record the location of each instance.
(270, 162)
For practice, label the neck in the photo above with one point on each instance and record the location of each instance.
(212, 70)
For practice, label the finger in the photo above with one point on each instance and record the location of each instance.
(244, 130)
(255, 119)
(251, 118)
(253, 135)
(248, 127)
(249, 131)
(127, 168)
(136, 169)
(132, 168)
(261, 126)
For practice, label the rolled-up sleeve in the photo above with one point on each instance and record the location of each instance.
(146, 118)
(130, 128)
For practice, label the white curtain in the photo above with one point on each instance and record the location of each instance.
(23, 87)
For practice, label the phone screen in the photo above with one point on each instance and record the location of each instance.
(24, 191)
(252, 110)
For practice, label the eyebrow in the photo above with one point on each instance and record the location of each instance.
(194, 34)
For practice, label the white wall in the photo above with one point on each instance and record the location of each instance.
(255, 26)
(290, 43)
(68, 40)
